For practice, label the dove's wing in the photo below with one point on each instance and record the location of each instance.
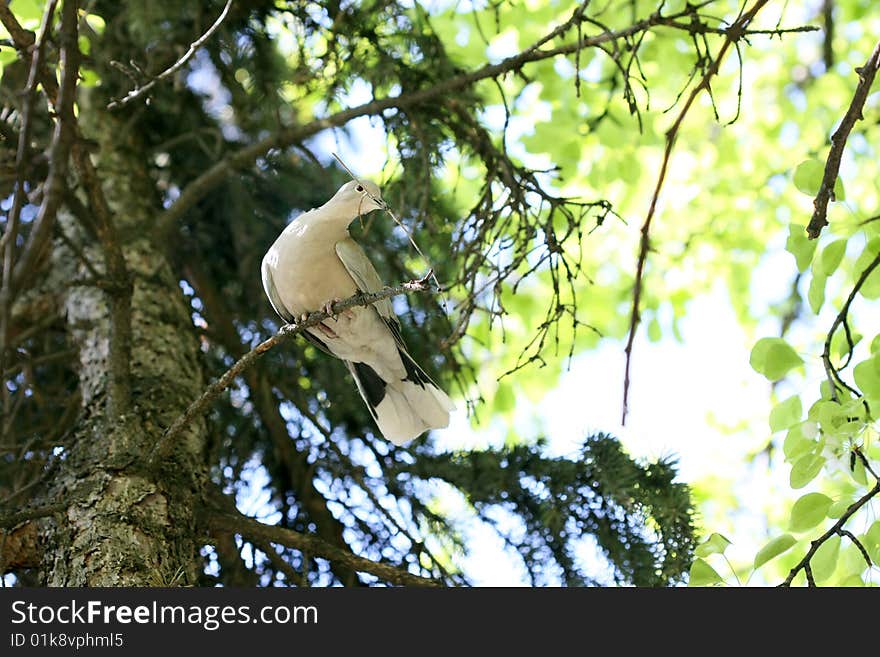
(276, 301)
(367, 279)
(272, 292)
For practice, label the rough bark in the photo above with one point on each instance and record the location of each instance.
(126, 526)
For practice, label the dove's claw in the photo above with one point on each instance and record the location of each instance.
(328, 307)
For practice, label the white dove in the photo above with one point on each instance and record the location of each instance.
(313, 263)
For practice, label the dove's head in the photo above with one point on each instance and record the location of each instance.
(359, 196)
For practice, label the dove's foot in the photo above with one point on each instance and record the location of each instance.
(348, 313)
(328, 307)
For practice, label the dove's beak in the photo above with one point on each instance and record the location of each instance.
(378, 202)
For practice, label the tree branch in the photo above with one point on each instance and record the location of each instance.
(280, 564)
(8, 241)
(204, 184)
(62, 141)
(193, 47)
(733, 34)
(200, 405)
(13, 518)
(838, 142)
(23, 40)
(233, 521)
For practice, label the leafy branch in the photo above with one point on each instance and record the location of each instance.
(838, 530)
(288, 136)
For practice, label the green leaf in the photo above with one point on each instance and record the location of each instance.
(654, 332)
(773, 549)
(702, 574)
(800, 246)
(867, 376)
(796, 444)
(837, 419)
(830, 259)
(715, 544)
(809, 511)
(858, 473)
(852, 581)
(816, 292)
(805, 470)
(824, 562)
(839, 507)
(96, 23)
(773, 357)
(870, 288)
(871, 541)
(504, 400)
(89, 78)
(808, 178)
(786, 414)
(28, 12)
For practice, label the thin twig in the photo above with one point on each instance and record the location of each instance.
(831, 372)
(62, 141)
(858, 544)
(733, 34)
(284, 137)
(118, 284)
(380, 202)
(193, 47)
(838, 142)
(8, 241)
(23, 40)
(200, 405)
(280, 564)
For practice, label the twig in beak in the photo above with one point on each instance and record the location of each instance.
(384, 206)
(378, 201)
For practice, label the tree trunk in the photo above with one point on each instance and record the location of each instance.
(126, 526)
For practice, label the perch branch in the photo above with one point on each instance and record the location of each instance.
(200, 405)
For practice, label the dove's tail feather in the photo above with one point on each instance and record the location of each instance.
(406, 408)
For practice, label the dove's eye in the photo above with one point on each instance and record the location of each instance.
(359, 188)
